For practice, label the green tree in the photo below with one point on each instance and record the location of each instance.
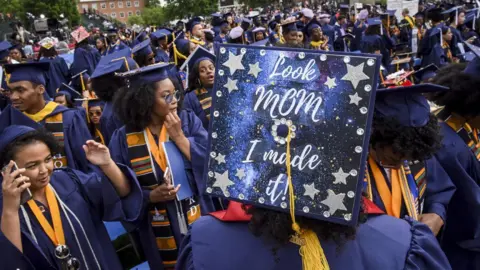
(153, 16)
(257, 3)
(11, 6)
(135, 20)
(179, 9)
(52, 9)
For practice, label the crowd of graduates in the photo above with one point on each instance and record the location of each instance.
(83, 145)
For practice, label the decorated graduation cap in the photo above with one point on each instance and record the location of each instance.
(406, 104)
(33, 72)
(80, 34)
(119, 61)
(195, 58)
(142, 48)
(290, 24)
(47, 43)
(148, 74)
(4, 47)
(14, 124)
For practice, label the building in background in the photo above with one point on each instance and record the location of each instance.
(118, 9)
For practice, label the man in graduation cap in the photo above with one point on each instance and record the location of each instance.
(289, 34)
(224, 28)
(195, 31)
(27, 87)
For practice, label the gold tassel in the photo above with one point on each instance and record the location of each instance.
(313, 257)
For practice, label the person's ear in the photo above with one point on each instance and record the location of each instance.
(41, 89)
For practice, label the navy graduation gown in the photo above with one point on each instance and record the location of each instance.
(456, 38)
(369, 41)
(358, 33)
(438, 193)
(329, 31)
(161, 56)
(197, 136)
(191, 102)
(85, 59)
(118, 46)
(76, 133)
(219, 39)
(57, 74)
(109, 122)
(383, 242)
(461, 237)
(92, 199)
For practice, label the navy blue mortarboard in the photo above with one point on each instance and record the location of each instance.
(191, 24)
(119, 61)
(435, 14)
(159, 34)
(148, 74)
(14, 124)
(375, 21)
(453, 12)
(272, 25)
(68, 91)
(426, 72)
(228, 14)
(33, 72)
(289, 25)
(344, 6)
(197, 56)
(313, 24)
(143, 48)
(4, 47)
(391, 12)
(406, 104)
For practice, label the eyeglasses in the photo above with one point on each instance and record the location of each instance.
(169, 98)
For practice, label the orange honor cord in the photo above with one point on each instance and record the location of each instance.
(157, 149)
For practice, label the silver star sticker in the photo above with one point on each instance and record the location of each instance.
(355, 98)
(240, 174)
(234, 62)
(222, 181)
(310, 190)
(330, 82)
(220, 158)
(231, 85)
(254, 69)
(340, 177)
(334, 201)
(355, 75)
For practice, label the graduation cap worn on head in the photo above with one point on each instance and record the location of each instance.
(14, 124)
(119, 61)
(4, 47)
(195, 58)
(159, 34)
(34, 72)
(68, 92)
(192, 23)
(143, 48)
(313, 24)
(375, 21)
(80, 34)
(47, 43)
(289, 25)
(308, 13)
(453, 12)
(236, 32)
(148, 74)
(406, 104)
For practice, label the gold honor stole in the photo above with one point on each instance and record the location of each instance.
(463, 129)
(406, 186)
(205, 101)
(140, 152)
(54, 124)
(410, 21)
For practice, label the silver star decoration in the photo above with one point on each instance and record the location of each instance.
(355, 75)
(222, 181)
(231, 85)
(254, 69)
(240, 174)
(310, 190)
(330, 82)
(340, 177)
(354, 99)
(234, 62)
(334, 201)
(220, 158)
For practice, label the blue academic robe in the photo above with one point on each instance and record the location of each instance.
(358, 33)
(118, 46)
(456, 38)
(461, 237)
(438, 193)
(382, 242)
(85, 59)
(92, 199)
(196, 134)
(109, 122)
(329, 31)
(76, 133)
(161, 56)
(220, 39)
(57, 74)
(191, 102)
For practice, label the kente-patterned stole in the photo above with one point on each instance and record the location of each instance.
(140, 155)
(463, 129)
(407, 185)
(54, 124)
(205, 100)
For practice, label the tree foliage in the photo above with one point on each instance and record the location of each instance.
(179, 9)
(153, 16)
(135, 20)
(49, 8)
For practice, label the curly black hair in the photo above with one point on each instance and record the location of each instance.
(40, 135)
(194, 77)
(106, 86)
(414, 143)
(463, 97)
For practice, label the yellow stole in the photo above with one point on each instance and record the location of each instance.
(47, 110)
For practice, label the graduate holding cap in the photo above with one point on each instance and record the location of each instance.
(60, 226)
(460, 157)
(58, 72)
(148, 107)
(27, 86)
(105, 84)
(143, 54)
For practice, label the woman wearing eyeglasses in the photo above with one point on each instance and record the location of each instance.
(148, 105)
(95, 110)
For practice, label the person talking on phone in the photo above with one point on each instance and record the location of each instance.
(52, 219)
(148, 105)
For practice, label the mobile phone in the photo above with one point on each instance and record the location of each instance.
(26, 194)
